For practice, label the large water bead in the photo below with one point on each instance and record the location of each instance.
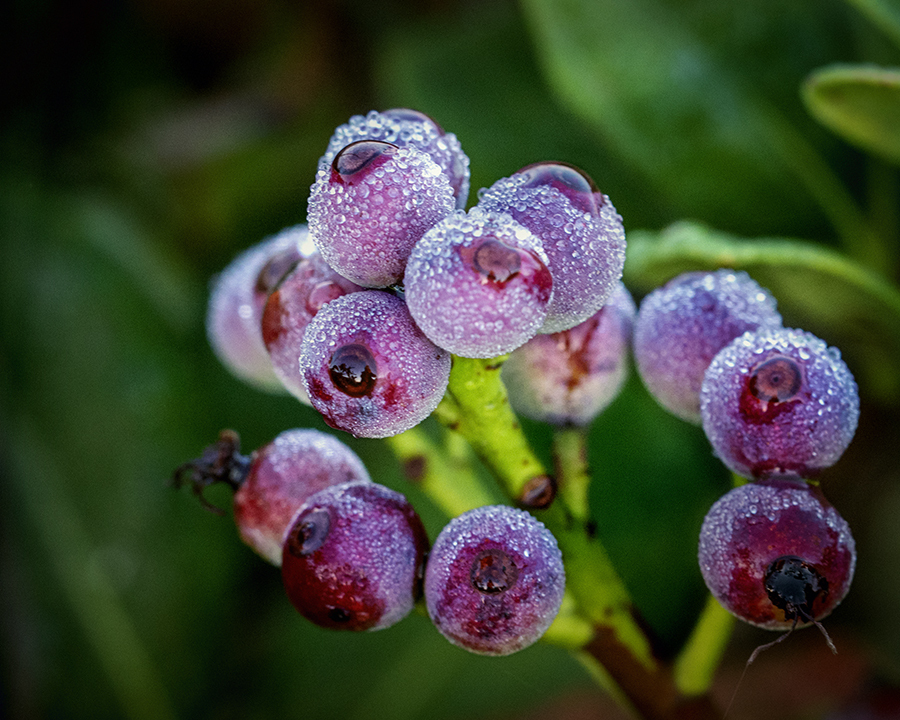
(775, 551)
(494, 580)
(354, 557)
(779, 401)
(579, 229)
(368, 369)
(570, 377)
(681, 326)
(478, 284)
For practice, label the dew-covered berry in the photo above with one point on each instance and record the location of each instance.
(570, 377)
(371, 204)
(405, 127)
(579, 229)
(272, 483)
(779, 401)
(368, 369)
(478, 284)
(288, 311)
(682, 325)
(236, 304)
(354, 556)
(775, 552)
(494, 580)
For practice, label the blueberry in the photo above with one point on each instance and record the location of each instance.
(236, 304)
(579, 229)
(368, 369)
(494, 580)
(775, 552)
(354, 557)
(681, 326)
(779, 401)
(569, 377)
(478, 284)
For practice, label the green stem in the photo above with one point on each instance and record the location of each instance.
(696, 664)
(572, 472)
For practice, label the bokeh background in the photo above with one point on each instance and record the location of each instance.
(146, 143)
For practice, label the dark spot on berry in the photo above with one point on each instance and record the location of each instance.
(274, 271)
(338, 615)
(274, 319)
(493, 571)
(793, 585)
(353, 370)
(776, 380)
(538, 493)
(348, 165)
(573, 182)
(309, 533)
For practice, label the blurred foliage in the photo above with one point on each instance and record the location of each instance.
(145, 143)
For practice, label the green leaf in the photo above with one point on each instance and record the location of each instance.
(817, 290)
(859, 103)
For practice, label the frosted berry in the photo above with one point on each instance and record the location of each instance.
(478, 284)
(775, 552)
(288, 311)
(579, 229)
(371, 204)
(779, 401)
(681, 326)
(494, 580)
(236, 304)
(367, 367)
(273, 482)
(570, 377)
(354, 556)
(405, 127)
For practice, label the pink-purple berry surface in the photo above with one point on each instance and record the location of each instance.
(236, 304)
(281, 476)
(775, 551)
(682, 325)
(478, 284)
(368, 369)
(570, 377)
(289, 309)
(494, 580)
(371, 204)
(579, 229)
(779, 401)
(404, 127)
(354, 556)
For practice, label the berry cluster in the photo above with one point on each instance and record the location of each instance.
(778, 406)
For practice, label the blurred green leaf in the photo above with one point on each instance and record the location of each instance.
(859, 103)
(885, 14)
(817, 289)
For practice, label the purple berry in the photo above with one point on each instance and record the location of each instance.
(775, 552)
(354, 556)
(570, 377)
(579, 229)
(494, 580)
(779, 401)
(681, 326)
(371, 205)
(367, 367)
(478, 284)
(236, 304)
(288, 311)
(404, 127)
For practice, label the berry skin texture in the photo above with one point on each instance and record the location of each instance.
(776, 550)
(236, 304)
(494, 580)
(367, 367)
(478, 284)
(288, 311)
(579, 229)
(681, 326)
(779, 401)
(281, 476)
(354, 556)
(570, 377)
(371, 205)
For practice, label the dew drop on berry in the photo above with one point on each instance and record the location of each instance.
(574, 183)
(776, 380)
(360, 156)
(353, 370)
(493, 571)
(309, 535)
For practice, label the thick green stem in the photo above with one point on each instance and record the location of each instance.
(572, 472)
(698, 660)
